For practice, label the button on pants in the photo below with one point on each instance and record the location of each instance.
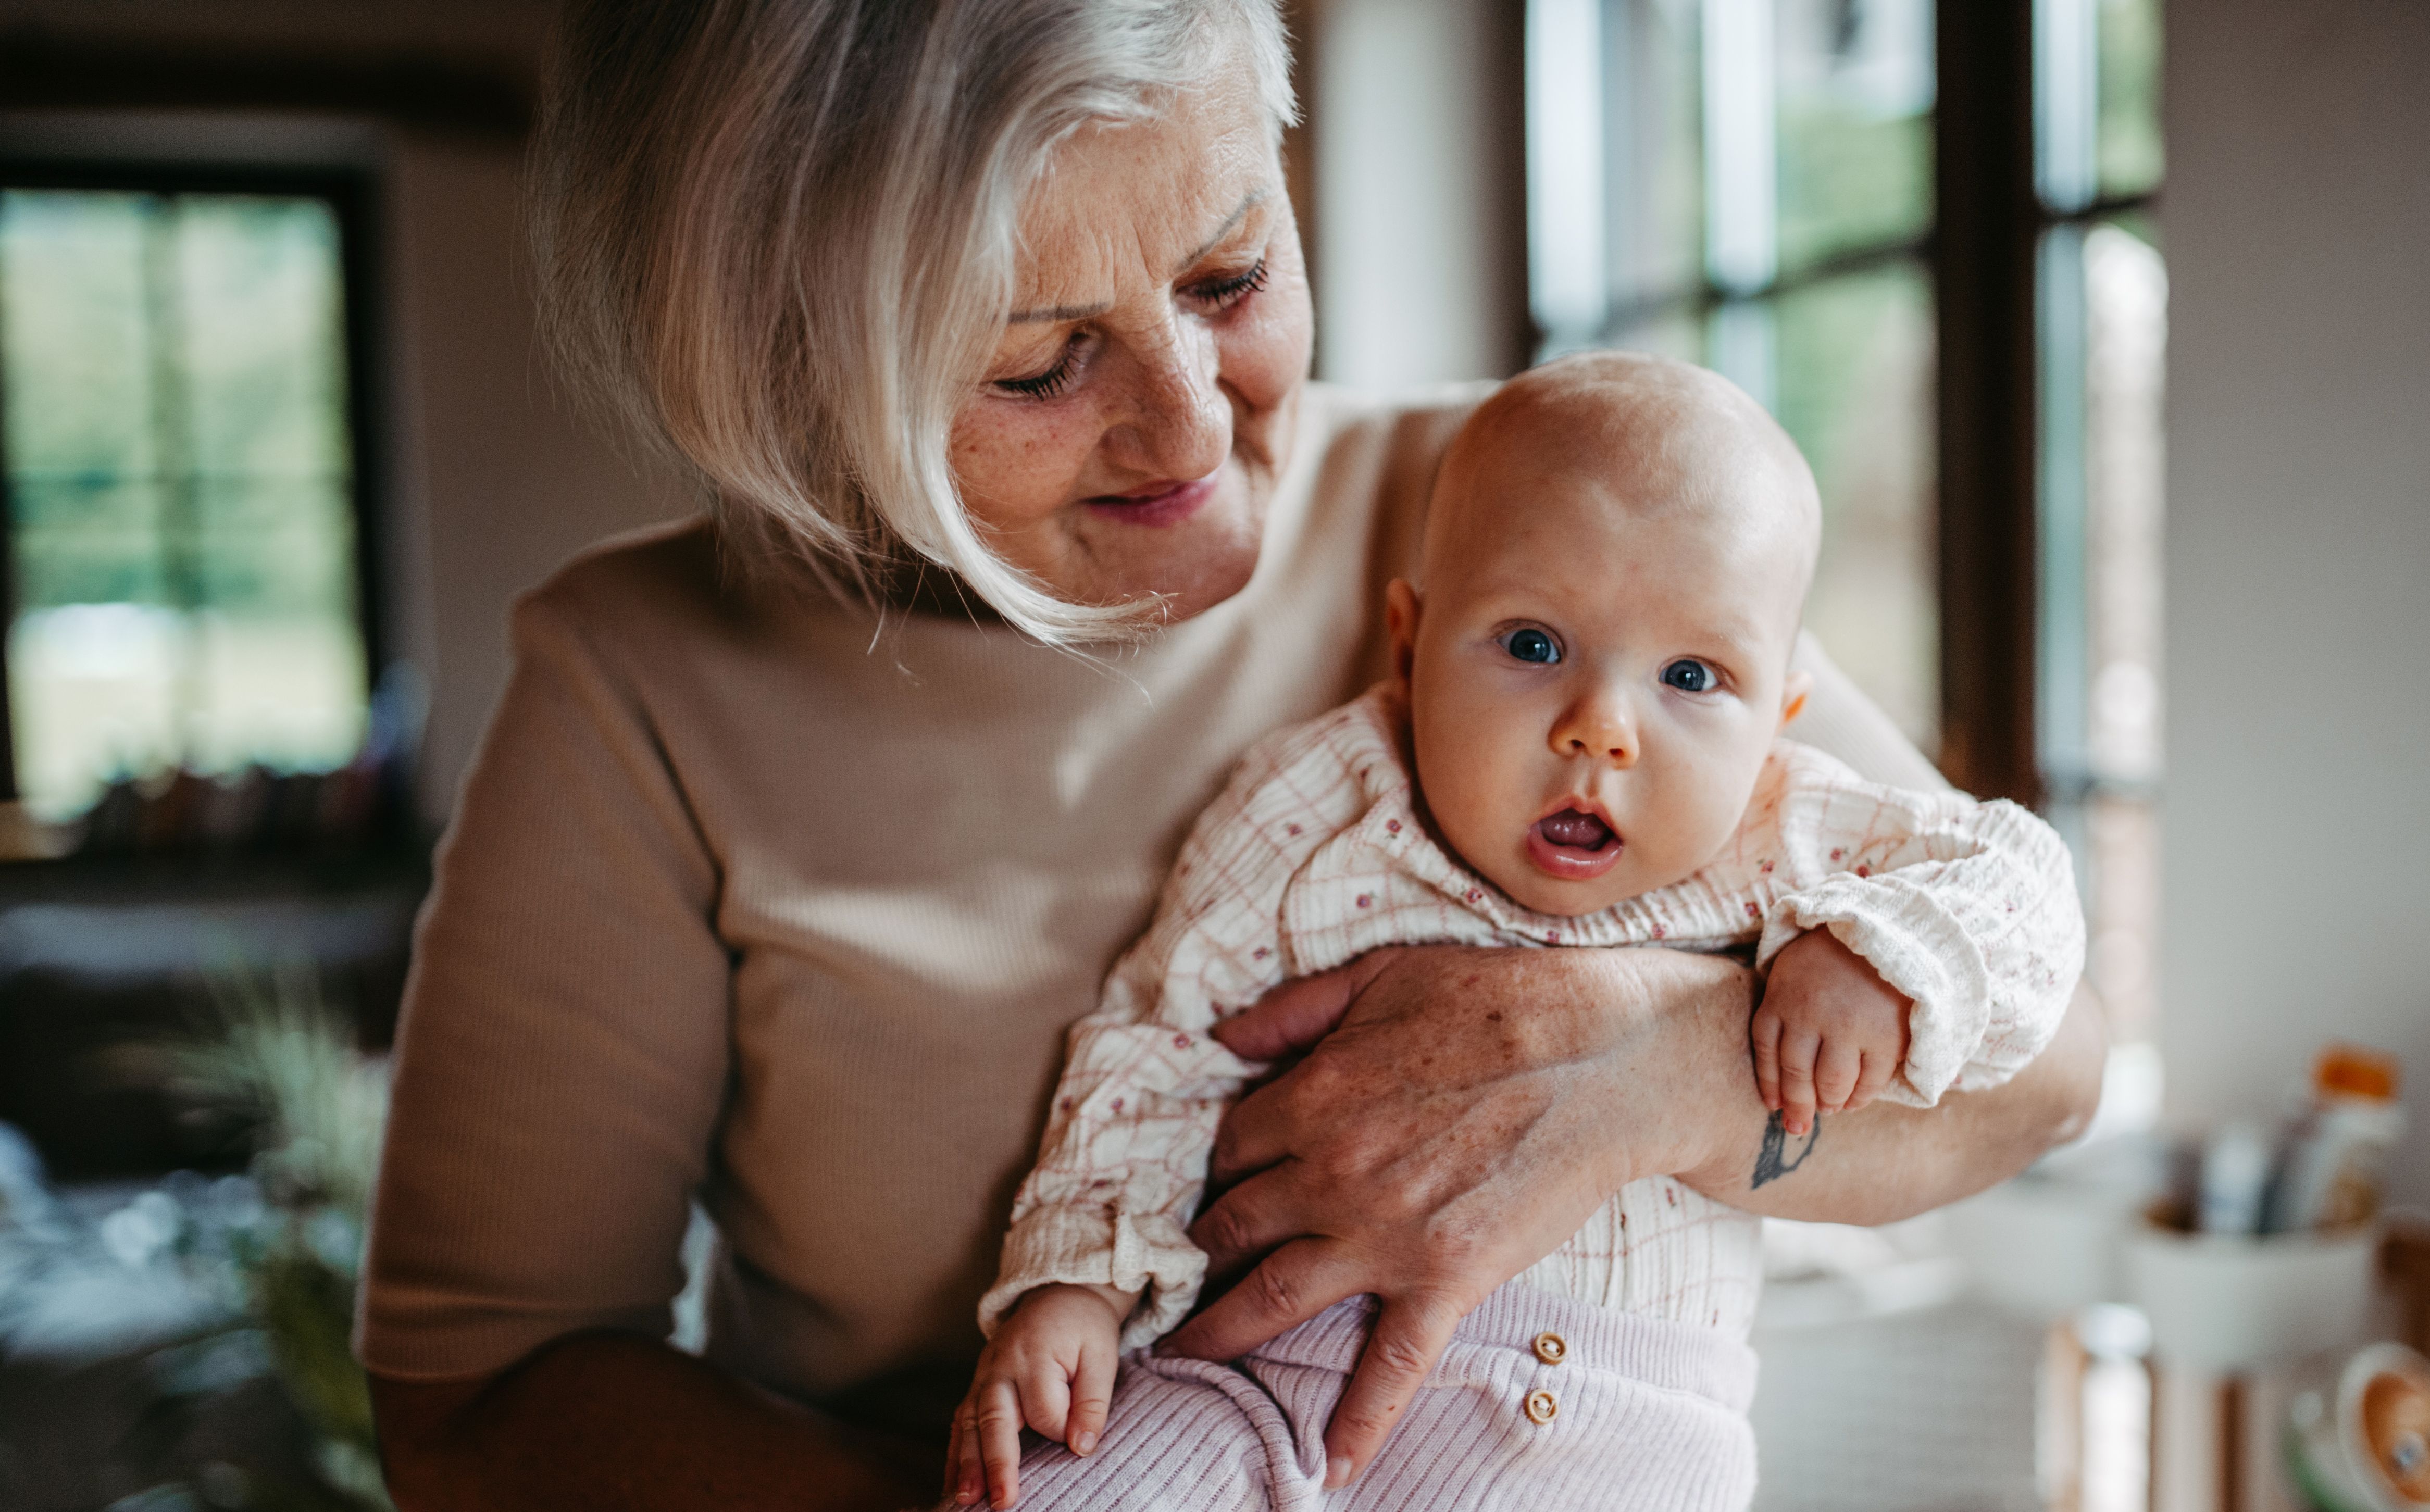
(1541, 1405)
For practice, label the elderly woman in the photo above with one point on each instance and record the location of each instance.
(804, 828)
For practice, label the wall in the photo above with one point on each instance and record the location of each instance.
(498, 482)
(2295, 220)
(1419, 167)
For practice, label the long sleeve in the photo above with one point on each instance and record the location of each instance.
(1124, 1161)
(564, 1045)
(1967, 909)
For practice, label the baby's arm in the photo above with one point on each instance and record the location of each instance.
(1051, 1367)
(1950, 938)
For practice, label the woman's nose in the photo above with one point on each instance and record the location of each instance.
(1178, 422)
(1598, 727)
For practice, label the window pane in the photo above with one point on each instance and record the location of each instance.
(180, 486)
(2104, 338)
(72, 314)
(263, 344)
(2128, 141)
(1855, 366)
(1856, 87)
(1654, 204)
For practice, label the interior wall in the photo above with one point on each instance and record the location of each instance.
(2296, 213)
(1416, 120)
(499, 481)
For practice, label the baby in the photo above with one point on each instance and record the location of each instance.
(1580, 746)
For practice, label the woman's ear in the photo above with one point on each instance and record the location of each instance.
(1792, 695)
(1400, 611)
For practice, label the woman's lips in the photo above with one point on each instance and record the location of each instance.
(1573, 845)
(1158, 503)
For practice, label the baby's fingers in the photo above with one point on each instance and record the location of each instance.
(1879, 1068)
(965, 1469)
(1798, 1049)
(1092, 1394)
(1836, 1066)
(998, 1431)
(1763, 1036)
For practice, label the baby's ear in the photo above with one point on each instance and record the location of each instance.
(1400, 611)
(1792, 695)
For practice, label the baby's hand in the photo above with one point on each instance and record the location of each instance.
(1830, 1033)
(1049, 1365)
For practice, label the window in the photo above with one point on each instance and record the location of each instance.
(1748, 184)
(1948, 290)
(2102, 325)
(186, 584)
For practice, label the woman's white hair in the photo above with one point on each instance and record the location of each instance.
(779, 234)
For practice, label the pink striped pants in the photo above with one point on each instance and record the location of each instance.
(1541, 1404)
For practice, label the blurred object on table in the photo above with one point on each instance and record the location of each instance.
(2358, 1439)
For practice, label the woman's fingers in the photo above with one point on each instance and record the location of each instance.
(998, 1430)
(1288, 1287)
(1246, 1222)
(1763, 1038)
(1797, 1051)
(1092, 1397)
(1411, 1336)
(1294, 1016)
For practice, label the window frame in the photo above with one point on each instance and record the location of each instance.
(353, 193)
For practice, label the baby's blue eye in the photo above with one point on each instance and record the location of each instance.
(1690, 675)
(1531, 645)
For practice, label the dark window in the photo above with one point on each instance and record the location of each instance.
(181, 374)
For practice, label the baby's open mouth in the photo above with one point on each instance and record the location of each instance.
(1573, 845)
(1571, 829)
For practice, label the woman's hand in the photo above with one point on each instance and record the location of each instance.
(1463, 1119)
(1050, 1367)
(1461, 1111)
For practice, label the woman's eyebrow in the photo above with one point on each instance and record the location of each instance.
(1080, 312)
(1230, 222)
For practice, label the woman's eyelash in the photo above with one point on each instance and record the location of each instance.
(1235, 289)
(1222, 291)
(1045, 385)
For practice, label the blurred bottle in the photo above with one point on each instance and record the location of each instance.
(2234, 1180)
(2334, 1161)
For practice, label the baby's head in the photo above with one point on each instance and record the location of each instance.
(1597, 650)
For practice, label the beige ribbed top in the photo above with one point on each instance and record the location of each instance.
(750, 898)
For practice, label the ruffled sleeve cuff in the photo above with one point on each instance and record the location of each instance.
(1100, 1247)
(1918, 947)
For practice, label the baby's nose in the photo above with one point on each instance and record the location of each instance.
(1599, 731)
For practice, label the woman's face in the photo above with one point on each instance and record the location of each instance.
(1125, 439)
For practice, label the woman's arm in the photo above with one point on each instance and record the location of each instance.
(1461, 1111)
(604, 1422)
(561, 1071)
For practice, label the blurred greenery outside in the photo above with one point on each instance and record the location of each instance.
(1850, 354)
(2127, 151)
(180, 487)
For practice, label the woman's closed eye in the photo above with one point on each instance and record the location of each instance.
(1688, 675)
(1531, 644)
(1054, 380)
(1223, 293)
